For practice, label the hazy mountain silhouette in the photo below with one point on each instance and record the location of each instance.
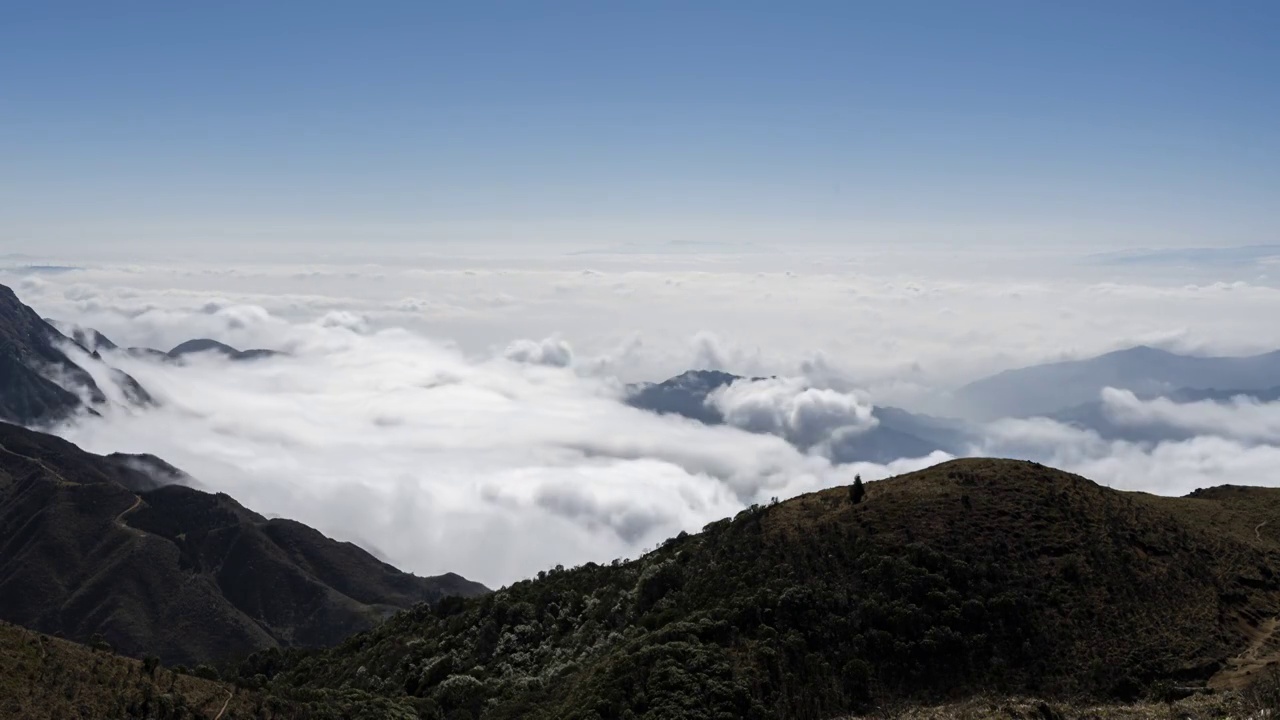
(199, 346)
(1049, 388)
(685, 395)
(203, 345)
(899, 433)
(1095, 416)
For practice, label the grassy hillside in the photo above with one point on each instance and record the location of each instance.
(46, 678)
(974, 577)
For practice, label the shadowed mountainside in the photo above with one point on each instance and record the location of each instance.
(39, 383)
(97, 545)
(971, 578)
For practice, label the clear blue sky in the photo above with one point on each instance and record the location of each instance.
(1117, 122)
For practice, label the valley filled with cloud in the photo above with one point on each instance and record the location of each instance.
(473, 413)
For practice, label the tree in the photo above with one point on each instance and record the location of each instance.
(856, 490)
(98, 642)
(150, 664)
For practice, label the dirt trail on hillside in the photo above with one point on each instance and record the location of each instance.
(1263, 651)
(120, 518)
(38, 462)
(137, 501)
(224, 705)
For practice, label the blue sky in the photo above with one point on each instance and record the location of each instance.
(597, 124)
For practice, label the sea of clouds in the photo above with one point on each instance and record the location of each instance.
(467, 415)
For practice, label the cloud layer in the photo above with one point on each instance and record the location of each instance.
(899, 328)
(1242, 418)
(494, 468)
(466, 418)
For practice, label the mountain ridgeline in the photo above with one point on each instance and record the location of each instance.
(897, 433)
(50, 371)
(39, 382)
(199, 346)
(93, 545)
(971, 577)
(1066, 392)
(1147, 371)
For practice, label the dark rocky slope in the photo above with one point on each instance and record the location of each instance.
(40, 383)
(98, 545)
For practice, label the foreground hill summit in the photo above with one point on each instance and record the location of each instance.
(974, 577)
(93, 545)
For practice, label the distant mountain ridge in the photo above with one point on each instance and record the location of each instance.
(1147, 371)
(200, 346)
(898, 433)
(93, 341)
(204, 345)
(1067, 392)
(99, 545)
(1095, 417)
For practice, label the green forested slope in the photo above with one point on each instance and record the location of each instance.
(972, 577)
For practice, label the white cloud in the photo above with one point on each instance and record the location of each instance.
(441, 462)
(899, 330)
(1167, 468)
(407, 419)
(551, 351)
(789, 408)
(1242, 418)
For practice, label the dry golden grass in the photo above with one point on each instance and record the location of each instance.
(45, 678)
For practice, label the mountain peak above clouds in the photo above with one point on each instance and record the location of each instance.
(201, 346)
(1147, 371)
(39, 383)
(206, 345)
(892, 435)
